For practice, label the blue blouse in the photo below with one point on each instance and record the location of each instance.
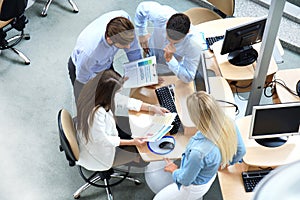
(201, 160)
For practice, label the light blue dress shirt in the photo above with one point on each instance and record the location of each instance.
(187, 56)
(92, 54)
(201, 160)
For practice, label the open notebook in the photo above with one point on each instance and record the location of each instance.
(160, 125)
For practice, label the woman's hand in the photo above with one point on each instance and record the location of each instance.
(158, 110)
(170, 166)
(139, 141)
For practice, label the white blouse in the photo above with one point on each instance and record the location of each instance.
(98, 154)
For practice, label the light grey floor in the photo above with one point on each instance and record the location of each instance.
(32, 168)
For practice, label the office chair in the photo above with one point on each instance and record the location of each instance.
(220, 9)
(13, 21)
(68, 144)
(45, 9)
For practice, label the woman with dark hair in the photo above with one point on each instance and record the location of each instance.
(97, 134)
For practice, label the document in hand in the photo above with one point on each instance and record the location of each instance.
(160, 126)
(140, 72)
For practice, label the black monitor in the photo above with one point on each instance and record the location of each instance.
(272, 124)
(201, 77)
(238, 42)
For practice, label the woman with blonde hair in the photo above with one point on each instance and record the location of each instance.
(216, 144)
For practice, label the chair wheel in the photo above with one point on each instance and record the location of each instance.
(137, 182)
(76, 196)
(60, 148)
(27, 63)
(27, 37)
(75, 11)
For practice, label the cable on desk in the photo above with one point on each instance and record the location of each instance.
(273, 88)
(237, 111)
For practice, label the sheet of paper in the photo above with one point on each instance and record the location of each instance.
(140, 73)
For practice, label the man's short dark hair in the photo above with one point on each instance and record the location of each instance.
(178, 26)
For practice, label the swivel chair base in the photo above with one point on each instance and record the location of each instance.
(105, 177)
(18, 52)
(45, 9)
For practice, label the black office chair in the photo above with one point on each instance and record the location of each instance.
(45, 9)
(68, 144)
(13, 21)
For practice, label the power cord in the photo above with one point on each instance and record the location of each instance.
(237, 111)
(273, 88)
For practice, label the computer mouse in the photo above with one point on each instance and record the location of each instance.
(298, 88)
(166, 145)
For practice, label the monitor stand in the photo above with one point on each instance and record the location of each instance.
(272, 142)
(243, 57)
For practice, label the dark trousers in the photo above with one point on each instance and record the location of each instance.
(72, 71)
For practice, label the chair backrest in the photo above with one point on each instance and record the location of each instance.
(200, 15)
(225, 6)
(67, 135)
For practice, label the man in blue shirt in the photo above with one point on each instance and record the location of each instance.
(173, 40)
(97, 45)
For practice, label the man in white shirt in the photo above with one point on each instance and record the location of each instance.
(173, 41)
(97, 45)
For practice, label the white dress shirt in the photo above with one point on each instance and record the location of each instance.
(98, 154)
(185, 61)
(92, 54)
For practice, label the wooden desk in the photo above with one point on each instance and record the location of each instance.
(240, 76)
(290, 77)
(219, 89)
(231, 182)
(230, 179)
(257, 155)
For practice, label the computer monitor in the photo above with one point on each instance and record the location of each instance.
(238, 42)
(271, 125)
(201, 77)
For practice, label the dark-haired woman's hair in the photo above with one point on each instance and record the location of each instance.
(98, 92)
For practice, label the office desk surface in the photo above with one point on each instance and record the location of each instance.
(290, 77)
(231, 183)
(257, 155)
(238, 73)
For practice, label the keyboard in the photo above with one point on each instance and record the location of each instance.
(252, 178)
(166, 99)
(211, 40)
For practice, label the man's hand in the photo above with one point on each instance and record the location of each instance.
(143, 39)
(169, 50)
